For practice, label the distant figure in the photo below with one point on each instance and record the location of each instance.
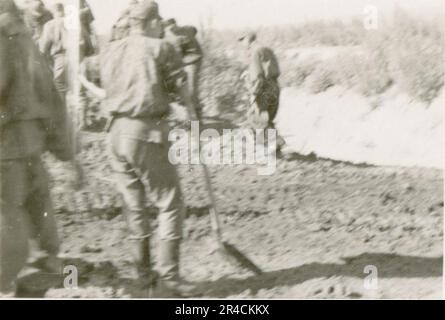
(33, 120)
(54, 45)
(36, 16)
(262, 80)
(264, 90)
(186, 44)
(86, 17)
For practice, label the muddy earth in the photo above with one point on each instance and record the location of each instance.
(316, 228)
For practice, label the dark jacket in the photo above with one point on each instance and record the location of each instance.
(32, 114)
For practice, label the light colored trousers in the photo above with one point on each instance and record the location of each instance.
(139, 159)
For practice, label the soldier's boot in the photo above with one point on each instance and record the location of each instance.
(146, 276)
(44, 261)
(8, 289)
(8, 294)
(170, 284)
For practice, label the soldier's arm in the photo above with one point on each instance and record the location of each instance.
(191, 48)
(86, 44)
(256, 74)
(45, 40)
(174, 76)
(90, 86)
(60, 132)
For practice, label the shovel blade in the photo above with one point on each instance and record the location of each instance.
(239, 258)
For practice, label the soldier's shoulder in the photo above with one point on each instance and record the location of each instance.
(165, 43)
(263, 49)
(10, 25)
(264, 52)
(188, 31)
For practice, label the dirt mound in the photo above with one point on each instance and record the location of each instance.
(390, 130)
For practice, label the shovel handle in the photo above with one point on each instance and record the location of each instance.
(214, 215)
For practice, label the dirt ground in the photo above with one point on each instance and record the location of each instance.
(312, 227)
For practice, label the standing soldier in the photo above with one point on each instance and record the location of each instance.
(54, 45)
(185, 42)
(33, 121)
(148, 70)
(262, 80)
(86, 17)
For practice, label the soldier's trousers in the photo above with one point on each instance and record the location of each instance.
(142, 168)
(268, 102)
(26, 212)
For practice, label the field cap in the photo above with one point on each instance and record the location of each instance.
(248, 35)
(146, 9)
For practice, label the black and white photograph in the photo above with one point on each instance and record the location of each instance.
(238, 150)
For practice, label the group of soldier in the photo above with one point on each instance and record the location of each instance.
(145, 64)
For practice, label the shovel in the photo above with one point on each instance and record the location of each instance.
(227, 250)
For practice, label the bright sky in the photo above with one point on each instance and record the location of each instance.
(235, 14)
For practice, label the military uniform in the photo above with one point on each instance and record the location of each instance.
(86, 17)
(148, 70)
(53, 44)
(264, 89)
(33, 121)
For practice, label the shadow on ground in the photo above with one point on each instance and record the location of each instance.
(389, 266)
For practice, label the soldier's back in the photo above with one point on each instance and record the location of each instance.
(132, 75)
(29, 102)
(264, 59)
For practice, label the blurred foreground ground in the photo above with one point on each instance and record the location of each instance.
(313, 227)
